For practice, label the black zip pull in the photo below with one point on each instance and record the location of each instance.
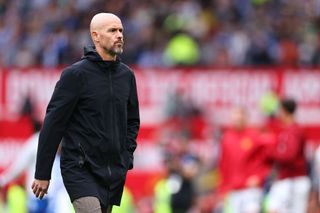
(109, 170)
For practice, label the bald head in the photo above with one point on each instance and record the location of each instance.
(107, 35)
(101, 19)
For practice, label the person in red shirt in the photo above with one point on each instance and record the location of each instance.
(242, 166)
(290, 190)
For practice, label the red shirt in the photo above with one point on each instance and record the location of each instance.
(243, 159)
(288, 152)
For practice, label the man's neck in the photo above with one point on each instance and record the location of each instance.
(289, 120)
(105, 56)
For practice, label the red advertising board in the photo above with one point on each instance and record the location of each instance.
(214, 91)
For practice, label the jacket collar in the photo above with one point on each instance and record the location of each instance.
(91, 54)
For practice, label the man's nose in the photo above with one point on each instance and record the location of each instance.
(120, 34)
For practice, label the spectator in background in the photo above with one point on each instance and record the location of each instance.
(185, 135)
(182, 50)
(183, 198)
(242, 166)
(290, 190)
(175, 193)
(222, 33)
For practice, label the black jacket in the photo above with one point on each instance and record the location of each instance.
(94, 112)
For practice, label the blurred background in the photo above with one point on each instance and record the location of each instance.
(195, 62)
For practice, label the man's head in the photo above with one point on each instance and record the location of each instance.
(239, 118)
(287, 109)
(107, 35)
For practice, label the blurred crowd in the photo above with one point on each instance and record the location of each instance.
(166, 32)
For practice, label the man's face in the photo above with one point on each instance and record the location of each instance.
(111, 38)
(238, 118)
(282, 114)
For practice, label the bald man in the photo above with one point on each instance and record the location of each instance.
(94, 113)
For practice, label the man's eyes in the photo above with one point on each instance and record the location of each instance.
(113, 30)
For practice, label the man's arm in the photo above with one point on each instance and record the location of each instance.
(59, 111)
(133, 120)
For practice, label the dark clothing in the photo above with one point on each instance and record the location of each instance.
(94, 111)
(182, 200)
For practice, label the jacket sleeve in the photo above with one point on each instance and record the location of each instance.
(59, 110)
(133, 120)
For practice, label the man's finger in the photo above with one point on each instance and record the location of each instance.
(38, 192)
(41, 195)
(35, 189)
(43, 192)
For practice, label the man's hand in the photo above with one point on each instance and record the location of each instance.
(253, 181)
(40, 188)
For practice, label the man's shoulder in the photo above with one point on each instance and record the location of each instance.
(76, 68)
(80, 64)
(125, 68)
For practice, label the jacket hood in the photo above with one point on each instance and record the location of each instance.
(90, 53)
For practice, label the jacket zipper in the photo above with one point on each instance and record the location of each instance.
(111, 110)
(109, 169)
(111, 99)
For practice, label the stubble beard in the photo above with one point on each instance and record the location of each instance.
(118, 50)
(113, 51)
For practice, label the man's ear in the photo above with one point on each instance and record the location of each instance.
(94, 36)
